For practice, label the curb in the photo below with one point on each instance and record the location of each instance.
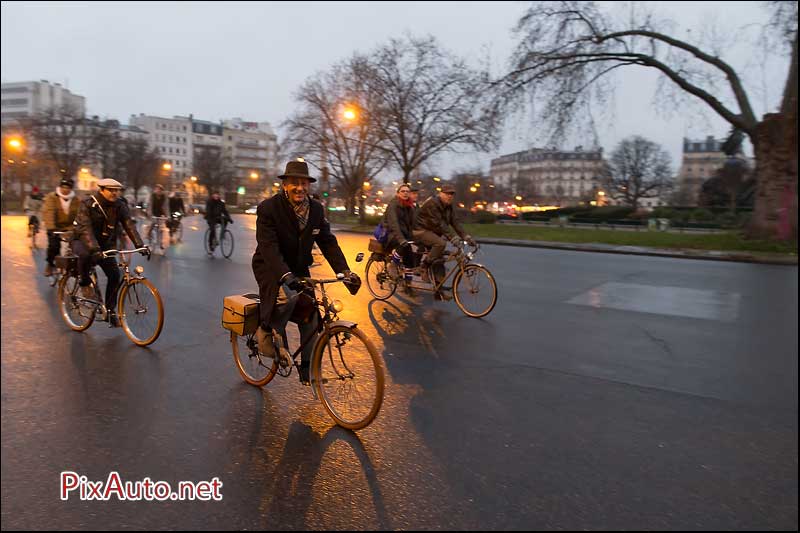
(707, 255)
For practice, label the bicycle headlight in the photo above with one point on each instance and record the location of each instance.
(337, 306)
(139, 269)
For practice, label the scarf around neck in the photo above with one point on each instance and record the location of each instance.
(300, 210)
(66, 199)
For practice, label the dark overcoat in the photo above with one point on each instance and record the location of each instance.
(281, 247)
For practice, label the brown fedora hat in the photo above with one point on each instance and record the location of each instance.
(297, 169)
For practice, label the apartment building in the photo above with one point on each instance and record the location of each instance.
(26, 98)
(172, 138)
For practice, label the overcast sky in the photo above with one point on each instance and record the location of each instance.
(220, 60)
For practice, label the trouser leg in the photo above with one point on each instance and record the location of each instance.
(111, 269)
(53, 247)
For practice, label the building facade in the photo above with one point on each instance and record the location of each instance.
(550, 176)
(700, 161)
(252, 149)
(23, 99)
(172, 138)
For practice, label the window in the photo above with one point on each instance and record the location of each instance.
(15, 101)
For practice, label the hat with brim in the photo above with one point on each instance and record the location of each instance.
(109, 183)
(448, 189)
(297, 169)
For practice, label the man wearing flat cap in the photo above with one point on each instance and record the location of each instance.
(287, 226)
(95, 232)
(435, 225)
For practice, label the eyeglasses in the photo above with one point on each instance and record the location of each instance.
(449, 193)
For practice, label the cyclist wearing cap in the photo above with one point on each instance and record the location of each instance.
(435, 225)
(95, 231)
(58, 214)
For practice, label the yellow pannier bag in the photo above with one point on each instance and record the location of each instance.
(240, 313)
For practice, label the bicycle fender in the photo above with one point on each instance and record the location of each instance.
(345, 323)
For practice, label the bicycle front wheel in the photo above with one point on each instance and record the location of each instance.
(76, 314)
(226, 244)
(379, 281)
(475, 291)
(348, 375)
(141, 312)
(254, 368)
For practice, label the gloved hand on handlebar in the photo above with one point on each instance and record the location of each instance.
(455, 240)
(291, 281)
(146, 252)
(97, 256)
(352, 282)
(469, 240)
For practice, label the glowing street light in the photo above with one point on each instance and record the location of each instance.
(15, 143)
(253, 175)
(84, 170)
(166, 166)
(473, 189)
(518, 198)
(193, 178)
(437, 178)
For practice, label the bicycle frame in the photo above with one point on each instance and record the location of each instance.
(127, 277)
(463, 259)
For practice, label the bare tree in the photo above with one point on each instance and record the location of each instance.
(213, 170)
(568, 50)
(430, 102)
(638, 168)
(333, 131)
(64, 136)
(137, 164)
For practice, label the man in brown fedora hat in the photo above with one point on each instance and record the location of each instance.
(287, 226)
(435, 225)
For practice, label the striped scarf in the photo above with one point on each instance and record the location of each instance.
(300, 210)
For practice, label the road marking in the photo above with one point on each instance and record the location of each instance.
(662, 300)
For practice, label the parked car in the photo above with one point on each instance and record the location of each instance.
(197, 209)
(251, 210)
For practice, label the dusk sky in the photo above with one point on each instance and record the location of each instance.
(220, 60)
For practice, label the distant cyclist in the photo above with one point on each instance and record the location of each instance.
(58, 214)
(32, 206)
(216, 213)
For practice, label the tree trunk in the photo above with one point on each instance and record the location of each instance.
(775, 209)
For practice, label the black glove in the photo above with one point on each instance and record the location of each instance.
(97, 256)
(145, 252)
(230, 221)
(291, 281)
(455, 240)
(352, 282)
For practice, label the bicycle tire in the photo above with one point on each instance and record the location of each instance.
(205, 242)
(76, 315)
(226, 237)
(333, 375)
(255, 362)
(132, 304)
(379, 281)
(469, 275)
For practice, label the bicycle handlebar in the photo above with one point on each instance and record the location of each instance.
(109, 253)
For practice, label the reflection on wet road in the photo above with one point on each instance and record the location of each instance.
(623, 411)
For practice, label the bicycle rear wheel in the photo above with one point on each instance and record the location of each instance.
(254, 368)
(76, 314)
(226, 244)
(475, 291)
(141, 312)
(348, 375)
(379, 281)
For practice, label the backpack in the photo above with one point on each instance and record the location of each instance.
(381, 233)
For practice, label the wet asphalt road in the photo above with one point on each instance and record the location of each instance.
(603, 392)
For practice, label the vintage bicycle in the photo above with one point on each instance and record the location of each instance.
(139, 307)
(224, 242)
(64, 237)
(474, 287)
(155, 234)
(346, 372)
